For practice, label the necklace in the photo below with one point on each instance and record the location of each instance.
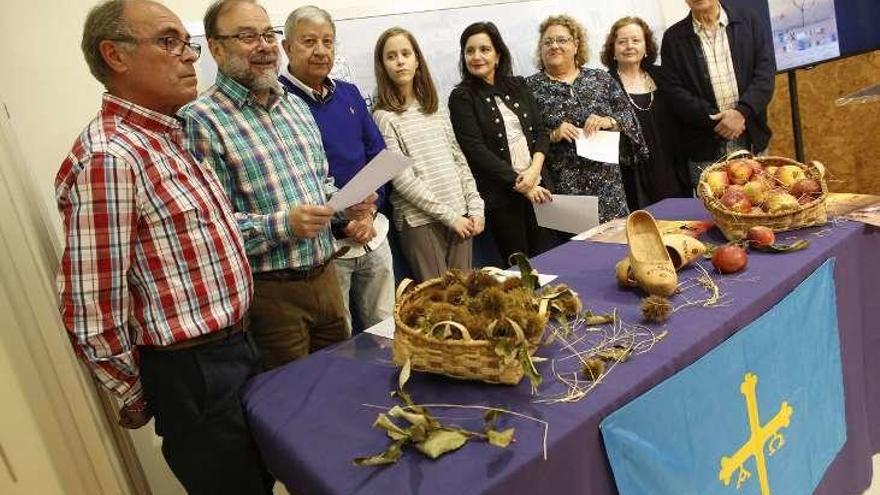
(648, 83)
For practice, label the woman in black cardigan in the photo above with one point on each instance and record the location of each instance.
(629, 53)
(498, 127)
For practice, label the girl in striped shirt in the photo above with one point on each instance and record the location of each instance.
(437, 208)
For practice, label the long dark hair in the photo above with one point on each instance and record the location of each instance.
(504, 71)
(387, 95)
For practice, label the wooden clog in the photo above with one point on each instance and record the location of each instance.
(652, 267)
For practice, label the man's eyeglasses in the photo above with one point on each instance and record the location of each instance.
(252, 38)
(559, 40)
(171, 44)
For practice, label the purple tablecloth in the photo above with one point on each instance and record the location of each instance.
(310, 417)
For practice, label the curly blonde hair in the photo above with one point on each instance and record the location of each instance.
(577, 32)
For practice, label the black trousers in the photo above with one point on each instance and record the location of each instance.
(195, 396)
(515, 229)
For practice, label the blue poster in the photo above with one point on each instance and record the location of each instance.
(762, 413)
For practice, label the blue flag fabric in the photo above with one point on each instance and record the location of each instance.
(762, 413)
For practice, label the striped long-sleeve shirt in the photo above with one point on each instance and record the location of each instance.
(439, 187)
(268, 158)
(152, 253)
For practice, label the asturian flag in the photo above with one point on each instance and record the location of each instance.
(762, 413)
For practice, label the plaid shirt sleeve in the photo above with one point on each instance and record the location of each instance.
(261, 232)
(100, 220)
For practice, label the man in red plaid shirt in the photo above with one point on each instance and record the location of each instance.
(154, 283)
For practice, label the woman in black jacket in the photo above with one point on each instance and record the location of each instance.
(498, 127)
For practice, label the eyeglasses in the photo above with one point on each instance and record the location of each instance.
(171, 44)
(559, 40)
(252, 38)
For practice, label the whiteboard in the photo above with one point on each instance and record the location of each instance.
(438, 31)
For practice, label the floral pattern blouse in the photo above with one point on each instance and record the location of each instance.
(592, 92)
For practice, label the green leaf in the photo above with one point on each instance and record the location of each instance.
(527, 274)
(506, 349)
(529, 369)
(490, 417)
(784, 248)
(390, 456)
(500, 438)
(441, 441)
(404, 374)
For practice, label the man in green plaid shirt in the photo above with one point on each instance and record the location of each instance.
(267, 151)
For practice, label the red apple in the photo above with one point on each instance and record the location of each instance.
(717, 180)
(805, 187)
(789, 174)
(736, 200)
(729, 258)
(755, 190)
(757, 168)
(761, 236)
(739, 171)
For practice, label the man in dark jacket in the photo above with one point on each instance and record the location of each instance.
(718, 69)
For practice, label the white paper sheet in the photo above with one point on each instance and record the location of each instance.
(602, 146)
(384, 328)
(382, 168)
(569, 213)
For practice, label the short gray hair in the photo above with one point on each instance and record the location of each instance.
(106, 21)
(306, 13)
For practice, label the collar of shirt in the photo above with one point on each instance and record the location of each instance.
(328, 87)
(138, 115)
(722, 21)
(240, 95)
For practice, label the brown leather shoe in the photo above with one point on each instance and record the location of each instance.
(651, 265)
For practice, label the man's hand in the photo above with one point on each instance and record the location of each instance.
(538, 195)
(362, 209)
(731, 124)
(309, 220)
(361, 231)
(135, 415)
(462, 227)
(566, 131)
(527, 179)
(597, 122)
(477, 225)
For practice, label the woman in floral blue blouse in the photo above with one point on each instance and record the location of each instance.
(573, 97)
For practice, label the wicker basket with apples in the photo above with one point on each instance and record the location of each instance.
(743, 191)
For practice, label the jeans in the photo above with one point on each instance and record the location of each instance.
(367, 284)
(195, 396)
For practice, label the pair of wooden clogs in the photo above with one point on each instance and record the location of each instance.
(653, 259)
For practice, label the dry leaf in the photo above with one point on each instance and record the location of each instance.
(441, 441)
